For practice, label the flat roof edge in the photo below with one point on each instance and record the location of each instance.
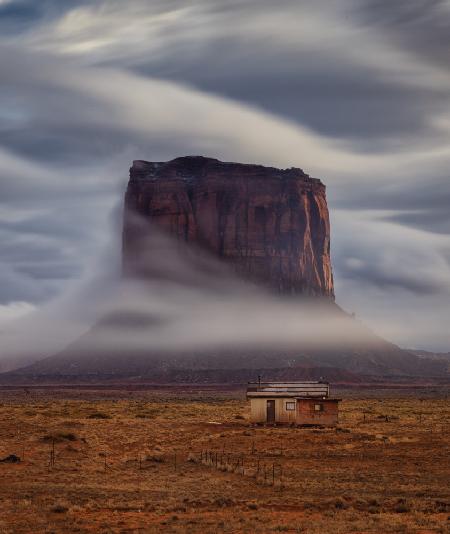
(295, 397)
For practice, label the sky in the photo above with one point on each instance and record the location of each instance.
(355, 92)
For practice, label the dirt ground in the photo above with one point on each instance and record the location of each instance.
(188, 461)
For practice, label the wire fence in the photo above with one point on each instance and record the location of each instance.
(262, 471)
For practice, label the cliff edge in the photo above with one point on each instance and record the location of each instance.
(271, 225)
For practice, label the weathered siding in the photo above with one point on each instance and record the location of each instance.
(282, 415)
(304, 414)
(307, 415)
(258, 410)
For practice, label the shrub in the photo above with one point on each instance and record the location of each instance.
(340, 504)
(60, 436)
(98, 415)
(224, 502)
(69, 436)
(158, 458)
(59, 509)
(401, 507)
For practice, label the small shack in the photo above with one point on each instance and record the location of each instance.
(292, 403)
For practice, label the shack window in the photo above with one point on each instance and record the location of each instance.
(290, 405)
(318, 407)
(260, 215)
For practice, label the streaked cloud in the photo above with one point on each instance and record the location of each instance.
(356, 93)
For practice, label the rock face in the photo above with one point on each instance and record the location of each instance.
(271, 225)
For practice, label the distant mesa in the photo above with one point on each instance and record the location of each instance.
(271, 225)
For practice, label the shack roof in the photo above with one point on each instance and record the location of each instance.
(304, 389)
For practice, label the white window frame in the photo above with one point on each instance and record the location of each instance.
(291, 405)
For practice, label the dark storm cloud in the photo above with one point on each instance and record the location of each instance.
(421, 26)
(20, 15)
(44, 225)
(30, 258)
(430, 191)
(421, 202)
(51, 271)
(73, 114)
(384, 277)
(275, 64)
(332, 96)
(265, 54)
(44, 121)
(17, 286)
(432, 220)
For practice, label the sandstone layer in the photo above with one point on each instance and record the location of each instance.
(271, 225)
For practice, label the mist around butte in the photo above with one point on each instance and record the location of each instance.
(89, 87)
(151, 292)
(220, 266)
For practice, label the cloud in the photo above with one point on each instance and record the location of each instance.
(408, 259)
(434, 221)
(21, 15)
(14, 310)
(337, 68)
(419, 25)
(18, 285)
(187, 301)
(342, 90)
(395, 277)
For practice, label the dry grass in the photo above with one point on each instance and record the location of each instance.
(115, 466)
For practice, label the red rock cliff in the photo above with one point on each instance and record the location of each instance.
(272, 225)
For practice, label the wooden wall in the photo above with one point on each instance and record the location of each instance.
(305, 414)
(258, 410)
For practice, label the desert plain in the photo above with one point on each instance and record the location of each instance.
(186, 459)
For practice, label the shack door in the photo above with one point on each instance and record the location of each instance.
(271, 411)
